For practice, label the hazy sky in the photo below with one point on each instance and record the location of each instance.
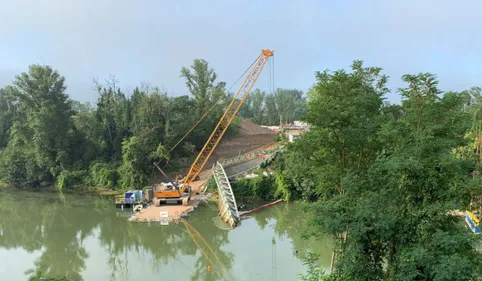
(151, 40)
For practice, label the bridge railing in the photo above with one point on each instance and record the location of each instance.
(247, 171)
(247, 156)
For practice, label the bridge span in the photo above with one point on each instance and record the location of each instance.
(230, 169)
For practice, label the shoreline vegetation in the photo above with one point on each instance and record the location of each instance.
(379, 178)
(47, 139)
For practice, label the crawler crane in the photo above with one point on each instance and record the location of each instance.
(180, 192)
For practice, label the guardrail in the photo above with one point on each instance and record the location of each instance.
(247, 171)
(246, 157)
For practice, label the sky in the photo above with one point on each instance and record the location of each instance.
(150, 41)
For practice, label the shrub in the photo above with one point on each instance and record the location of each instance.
(102, 175)
(68, 179)
(212, 187)
(262, 187)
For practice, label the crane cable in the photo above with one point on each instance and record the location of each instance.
(212, 107)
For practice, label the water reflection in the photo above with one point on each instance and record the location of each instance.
(46, 227)
(67, 231)
(58, 227)
(287, 220)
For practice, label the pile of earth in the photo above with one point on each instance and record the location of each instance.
(249, 138)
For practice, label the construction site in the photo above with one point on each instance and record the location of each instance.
(224, 159)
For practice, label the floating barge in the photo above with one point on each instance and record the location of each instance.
(167, 213)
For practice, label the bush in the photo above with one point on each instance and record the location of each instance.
(314, 271)
(262, 187)
(234, 127)
(102, 175)
(212, 187)
(282, 188)
(281, 138)
(68, 179)
(13, 167)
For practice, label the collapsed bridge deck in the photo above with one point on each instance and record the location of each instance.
(232, 168)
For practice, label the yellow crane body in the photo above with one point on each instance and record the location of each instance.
(218, 132)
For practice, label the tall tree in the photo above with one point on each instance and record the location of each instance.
(271, 111)
(8, 108)
(396, 210)
(286, 104)
(257, 108)
(344, 111)
(40, 131)
(113, 116)
(200, 80)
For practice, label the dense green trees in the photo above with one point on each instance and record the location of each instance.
(384, 178)
(38, 147)
(47, 139)
(282, 106)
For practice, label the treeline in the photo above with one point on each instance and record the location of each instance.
(47, 139)
(382, 179)
(281, 107)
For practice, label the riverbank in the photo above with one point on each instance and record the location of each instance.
(74, 191)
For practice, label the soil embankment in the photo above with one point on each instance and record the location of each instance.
(249, 138)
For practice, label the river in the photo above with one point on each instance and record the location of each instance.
(85, 238)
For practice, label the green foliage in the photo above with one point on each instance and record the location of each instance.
(102, 175)
(233, 129)
(46, 139)
(200, 82)
(344, 112)
(282, 106)
(38, 139)
(314, 272)
(262, 187)
(387, 176)
(38, 276)
(13, 168)
(212, 187)
(135, 161)
(8, 109)
(282, 189)
(281, 138)
(68, 179)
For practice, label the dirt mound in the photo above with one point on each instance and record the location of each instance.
(249, 138)
(247, 127)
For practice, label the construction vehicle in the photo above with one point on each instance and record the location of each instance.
(177, 192)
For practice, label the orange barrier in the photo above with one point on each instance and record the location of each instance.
(261, 207)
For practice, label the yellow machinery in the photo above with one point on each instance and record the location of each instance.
(181, 192)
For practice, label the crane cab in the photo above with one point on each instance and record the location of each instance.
(170, 193)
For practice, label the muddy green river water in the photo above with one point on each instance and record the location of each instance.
(85, 238)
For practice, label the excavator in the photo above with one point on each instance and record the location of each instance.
(179, 192)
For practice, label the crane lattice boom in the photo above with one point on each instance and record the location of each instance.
(227, 118)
